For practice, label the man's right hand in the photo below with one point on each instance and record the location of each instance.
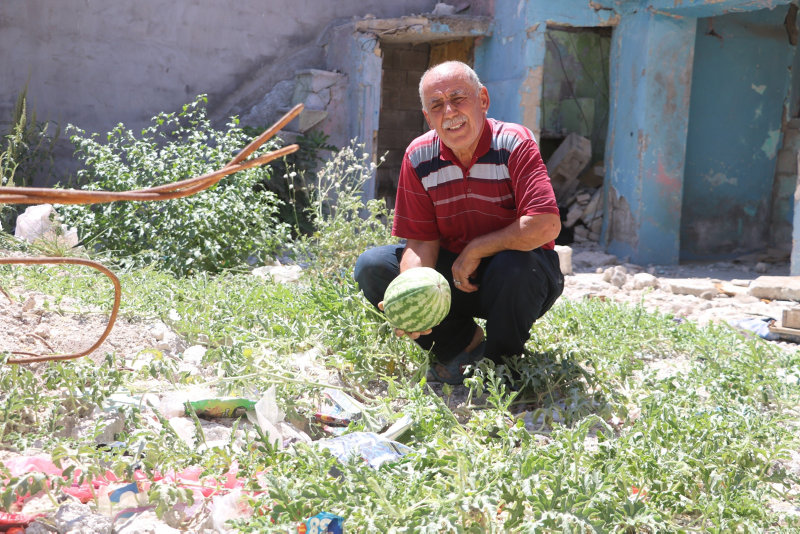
(400, 333)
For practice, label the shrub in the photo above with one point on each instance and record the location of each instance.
(216, 229)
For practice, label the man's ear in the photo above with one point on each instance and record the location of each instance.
(427, 120)
(484, 96)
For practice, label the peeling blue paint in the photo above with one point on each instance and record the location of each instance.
(771, 144)
(717, 179)
(739, 85)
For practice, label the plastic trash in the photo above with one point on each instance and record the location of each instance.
(41, 222)
(398, 427)
(222, 407)
(230, 506)
(338, 408)
(323, 522)
(758, 326)
(372, 448)
(267, 415)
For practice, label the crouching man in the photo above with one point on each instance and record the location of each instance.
(474, 201)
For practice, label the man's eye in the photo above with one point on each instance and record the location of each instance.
(436, 107)
(458, 100)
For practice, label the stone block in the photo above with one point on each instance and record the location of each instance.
(594, 259)
(593, 209)
(776, 288)
(692, 286)
(566, 164)
(309, 118)
(791, 318)
(573, 214)
(644, 280)
(565, 259)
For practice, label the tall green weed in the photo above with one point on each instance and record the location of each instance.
(26, 152)
(344, 225)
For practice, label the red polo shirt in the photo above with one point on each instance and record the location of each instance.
(438, 198)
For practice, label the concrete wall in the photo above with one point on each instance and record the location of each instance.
(96, 63)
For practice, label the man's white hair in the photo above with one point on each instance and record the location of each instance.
(471, 75)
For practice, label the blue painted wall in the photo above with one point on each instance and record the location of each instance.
(651, 60)
(695, 121)
(740, 83)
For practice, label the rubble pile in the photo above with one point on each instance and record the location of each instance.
(578, 188)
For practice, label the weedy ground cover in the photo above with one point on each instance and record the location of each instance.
(618, 420)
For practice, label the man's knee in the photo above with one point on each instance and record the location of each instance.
(373, 271)
(530, 275)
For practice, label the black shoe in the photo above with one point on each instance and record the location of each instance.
(452, 372)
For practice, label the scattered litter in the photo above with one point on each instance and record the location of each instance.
(280, 273)
(222, 407)
(230, 506)
(323, 522)
(372, 448)
(756, 325)
(338, 408)
(398, 427)
(9, 521)
(41, 222)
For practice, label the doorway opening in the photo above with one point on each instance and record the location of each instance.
(401, 119)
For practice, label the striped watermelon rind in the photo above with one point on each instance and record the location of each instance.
(417, 299)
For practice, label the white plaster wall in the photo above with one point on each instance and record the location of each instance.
(96, 63)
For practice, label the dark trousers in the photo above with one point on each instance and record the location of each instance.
(515, 289)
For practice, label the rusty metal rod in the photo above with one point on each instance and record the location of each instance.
(112, 318)
(183, 188)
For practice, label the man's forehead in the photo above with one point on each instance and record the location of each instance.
(446, 92)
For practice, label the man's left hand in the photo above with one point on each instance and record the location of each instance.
(464, 267)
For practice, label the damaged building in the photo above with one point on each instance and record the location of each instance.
(671, 127)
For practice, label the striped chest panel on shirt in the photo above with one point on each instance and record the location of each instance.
(485, 190)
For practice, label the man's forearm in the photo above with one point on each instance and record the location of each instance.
(419, 254)
(526, 233)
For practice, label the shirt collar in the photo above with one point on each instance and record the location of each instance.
(484, 144)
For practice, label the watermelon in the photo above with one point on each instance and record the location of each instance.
(418, 299)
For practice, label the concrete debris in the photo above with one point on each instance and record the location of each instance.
(591, 258)
(644, 280)
(715, 293)
(442, 8)
(567, 163)
(146, 522)
(76, 518)
(776, 288)
(565, 259)
(705, 289)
